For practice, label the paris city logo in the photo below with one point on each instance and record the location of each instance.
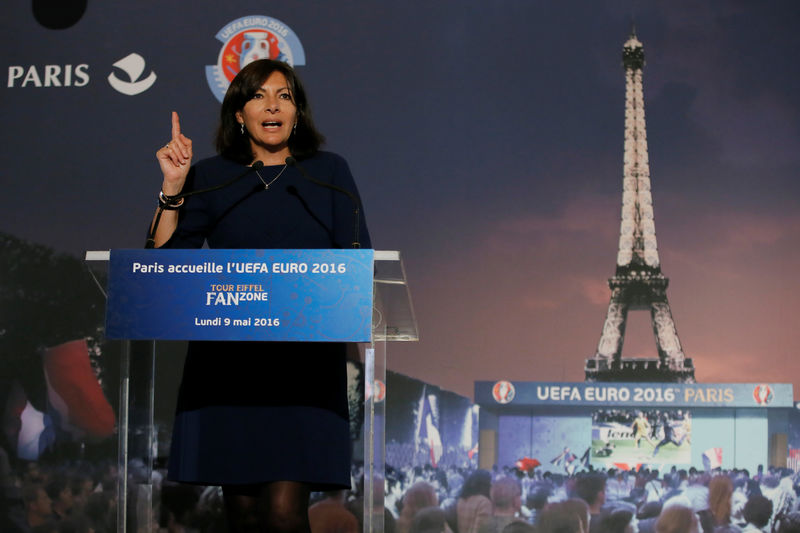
(503, 392)
(763, 394)
(247, 39)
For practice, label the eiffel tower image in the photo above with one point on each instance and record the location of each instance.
(638, 283)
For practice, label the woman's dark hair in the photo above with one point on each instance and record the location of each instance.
(757, 510)
(589, 486)
(305, 139)
(479, 482)
(615, 521)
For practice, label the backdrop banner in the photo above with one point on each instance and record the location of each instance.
(529, 393)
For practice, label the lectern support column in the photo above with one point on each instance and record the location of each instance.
(392, 320)
(374, 435)
(135, 457)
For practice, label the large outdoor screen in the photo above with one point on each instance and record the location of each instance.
(631, 438)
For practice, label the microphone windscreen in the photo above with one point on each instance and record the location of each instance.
(257, 165)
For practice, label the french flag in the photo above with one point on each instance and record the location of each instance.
(712, 458)
(25, 427)
(75, 404)
(75, 398)
(428, 427)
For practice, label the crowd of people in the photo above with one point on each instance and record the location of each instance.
(605, 501)
(81, 498)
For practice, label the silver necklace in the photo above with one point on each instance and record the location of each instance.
(266, 185)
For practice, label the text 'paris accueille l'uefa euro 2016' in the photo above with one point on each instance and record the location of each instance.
(240, 268)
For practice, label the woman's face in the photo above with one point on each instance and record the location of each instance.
(269, 117)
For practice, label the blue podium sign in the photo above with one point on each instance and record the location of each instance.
(266, 295)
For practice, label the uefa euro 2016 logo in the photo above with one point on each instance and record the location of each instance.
(503, 392)
(377, 391)
(247, 39)
(763, 394)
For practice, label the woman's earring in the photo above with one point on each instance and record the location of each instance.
(294, 129)
(242, 125)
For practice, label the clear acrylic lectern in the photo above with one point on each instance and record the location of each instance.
(393, 320)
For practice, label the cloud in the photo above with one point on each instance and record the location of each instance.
(729, 239)
(579, 215)
(596, 291)
(720, 49)
(538, 304)
(585, 221)
(740, 366)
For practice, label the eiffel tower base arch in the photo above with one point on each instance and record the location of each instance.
(636, 369)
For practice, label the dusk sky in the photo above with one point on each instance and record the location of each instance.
(486, 138)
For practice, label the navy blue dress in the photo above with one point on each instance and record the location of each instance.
(254, 412)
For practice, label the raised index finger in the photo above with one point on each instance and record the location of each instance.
(176, 125)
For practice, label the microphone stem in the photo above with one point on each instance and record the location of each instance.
(151, 238)
(291, 161)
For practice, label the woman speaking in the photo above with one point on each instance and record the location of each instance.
(268, 421)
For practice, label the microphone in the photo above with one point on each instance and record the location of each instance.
(292, 162)
(151, 238)
(256, 166)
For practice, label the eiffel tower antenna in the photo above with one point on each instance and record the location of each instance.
(638, 283)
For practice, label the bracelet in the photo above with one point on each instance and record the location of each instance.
(167, 202)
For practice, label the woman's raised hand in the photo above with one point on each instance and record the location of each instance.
(175, 159)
